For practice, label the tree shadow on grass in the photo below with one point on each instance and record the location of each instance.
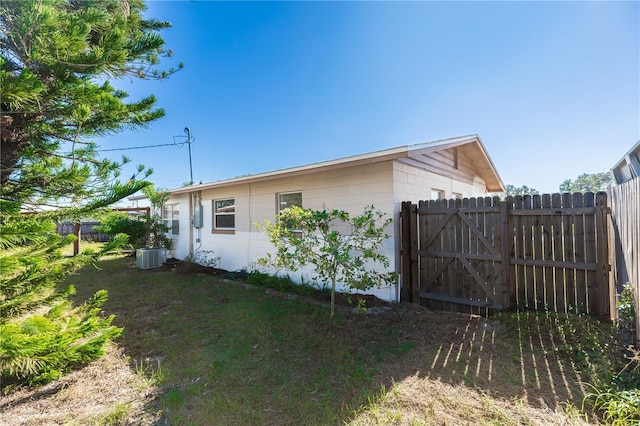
(519, 363)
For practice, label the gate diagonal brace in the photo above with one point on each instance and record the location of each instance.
(476, 276)
(472, 226)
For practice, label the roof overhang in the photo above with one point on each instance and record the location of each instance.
(629, 166)
(473, 148)
(472, 143)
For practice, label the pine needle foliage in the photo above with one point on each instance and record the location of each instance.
(42, 335)
(58, 60)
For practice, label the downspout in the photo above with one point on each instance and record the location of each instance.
(195, 200)
(191, 213)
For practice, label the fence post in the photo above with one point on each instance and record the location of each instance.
(405, 250)
(604, 290)
(77, 231)
(409, 247)
(409, 233)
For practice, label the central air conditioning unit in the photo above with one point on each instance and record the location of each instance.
(150, 258)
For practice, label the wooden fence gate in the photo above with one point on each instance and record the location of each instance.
(480, 254)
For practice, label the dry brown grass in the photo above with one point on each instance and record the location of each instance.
(107, 391)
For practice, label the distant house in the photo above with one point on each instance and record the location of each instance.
(629, 166)
(218, 219)
(625, 214)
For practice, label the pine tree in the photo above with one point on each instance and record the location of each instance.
(57, 61)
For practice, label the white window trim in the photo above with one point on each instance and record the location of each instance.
(441, 194)
(278, 202)
(216, 214)
(168, 221)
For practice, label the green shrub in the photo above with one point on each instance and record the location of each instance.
(615, 406)
(121, 223)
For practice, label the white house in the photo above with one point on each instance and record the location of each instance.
(218, 218)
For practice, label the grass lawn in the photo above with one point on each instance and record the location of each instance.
(201, 350)
(84, 245)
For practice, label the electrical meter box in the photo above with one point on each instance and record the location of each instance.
(197, 216)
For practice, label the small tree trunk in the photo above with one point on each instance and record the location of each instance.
(77, 229)
(333, 296)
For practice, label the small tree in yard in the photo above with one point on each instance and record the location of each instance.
(154, 225)
(340, 247)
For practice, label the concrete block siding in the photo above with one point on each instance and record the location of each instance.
(382, 179)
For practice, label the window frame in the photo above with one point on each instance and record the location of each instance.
(279, 206)
(440, 192)
(279, 201)
(173, 221)
(218, 229)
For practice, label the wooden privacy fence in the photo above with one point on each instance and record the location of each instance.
(625, 214)
(86, 231)
(544, 251)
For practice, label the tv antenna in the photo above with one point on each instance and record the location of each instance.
(188, 132)
(189, 141)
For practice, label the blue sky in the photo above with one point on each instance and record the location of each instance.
(552, 88)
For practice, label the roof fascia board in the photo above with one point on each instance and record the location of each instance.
(357, 160)
(633, 150)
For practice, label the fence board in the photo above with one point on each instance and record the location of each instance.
(518, 232)
(579, 251)
(528, 252)
(450, 285)
(538, 270)
(568, 254)
(415, 286)
(558, 272)
(505, 245)
(474, 243)
(590, 252)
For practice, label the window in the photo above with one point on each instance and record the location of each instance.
(437, 194)
(456, 195)
(224, 214)
(289, 199)
(171, 218)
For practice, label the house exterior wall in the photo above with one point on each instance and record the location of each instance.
(180, 243)
(384, 185)
(349, 189)
(413, 184)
